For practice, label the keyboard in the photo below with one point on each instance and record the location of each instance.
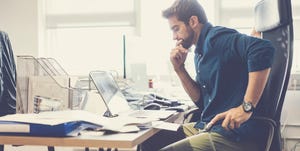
(164, 101)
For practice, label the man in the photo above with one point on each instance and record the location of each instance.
(232, 70)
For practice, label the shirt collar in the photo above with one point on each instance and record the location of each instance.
(204, 31)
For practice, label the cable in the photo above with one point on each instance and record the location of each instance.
(283, 128)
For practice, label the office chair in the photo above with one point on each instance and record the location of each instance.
(7, 78)
(273, 18)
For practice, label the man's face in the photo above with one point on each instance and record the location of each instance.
(181, 31)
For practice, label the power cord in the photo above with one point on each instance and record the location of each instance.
(283, 128)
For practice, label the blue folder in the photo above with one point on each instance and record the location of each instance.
(56, 124)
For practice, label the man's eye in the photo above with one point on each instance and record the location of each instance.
(175, 30)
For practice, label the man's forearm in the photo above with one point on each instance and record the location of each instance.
(256, 85)
(189, 85)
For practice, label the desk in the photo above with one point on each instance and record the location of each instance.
(119, 140)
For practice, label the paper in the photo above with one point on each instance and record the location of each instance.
(92, 133)
(128, 129)
(166, 125)
(117, 124)
(57, 123)
(128, 124)
(20, 128)
(53, 118)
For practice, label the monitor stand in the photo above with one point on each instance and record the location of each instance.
(107, 113)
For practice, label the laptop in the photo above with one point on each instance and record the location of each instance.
(116, 103)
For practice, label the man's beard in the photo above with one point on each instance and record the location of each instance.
(187, 42)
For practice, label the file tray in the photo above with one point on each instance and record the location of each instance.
(56, 124)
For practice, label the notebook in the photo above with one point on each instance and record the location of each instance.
(116, 103)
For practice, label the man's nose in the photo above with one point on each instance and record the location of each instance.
(175, 37)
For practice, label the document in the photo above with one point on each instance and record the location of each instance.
(58, 123)
(166, 125)
(128, 124)
(14, 127)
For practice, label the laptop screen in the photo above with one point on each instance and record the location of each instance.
(109, 91)
(105, 84)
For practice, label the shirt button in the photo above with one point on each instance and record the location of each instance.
(204, 86)
(198, 71)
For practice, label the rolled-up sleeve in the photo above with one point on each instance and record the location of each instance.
(257, 53)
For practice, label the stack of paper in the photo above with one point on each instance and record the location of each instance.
(58, 123)
(65, 123)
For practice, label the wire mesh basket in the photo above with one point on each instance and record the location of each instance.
(45, 77)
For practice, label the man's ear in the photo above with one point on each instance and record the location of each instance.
(193, 22)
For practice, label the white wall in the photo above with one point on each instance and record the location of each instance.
(19, 18)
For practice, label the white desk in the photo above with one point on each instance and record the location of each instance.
(119, 140)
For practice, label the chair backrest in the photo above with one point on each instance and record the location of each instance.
(274, 19)
(8, 77)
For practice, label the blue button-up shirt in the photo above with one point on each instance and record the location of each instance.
(223, 59)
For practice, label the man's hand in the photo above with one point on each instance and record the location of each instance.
(178, 56)
(255, 33)
(233, 118)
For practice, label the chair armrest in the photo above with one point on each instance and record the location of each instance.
(272, 124)
(188, 115)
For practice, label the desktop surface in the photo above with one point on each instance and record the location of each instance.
(115, 140)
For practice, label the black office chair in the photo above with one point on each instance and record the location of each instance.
(8, 78)
(273, 18)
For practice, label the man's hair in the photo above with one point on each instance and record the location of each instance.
(184, 9)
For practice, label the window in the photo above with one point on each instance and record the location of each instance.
(85, 35)
(236, 14)
(70, 13)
